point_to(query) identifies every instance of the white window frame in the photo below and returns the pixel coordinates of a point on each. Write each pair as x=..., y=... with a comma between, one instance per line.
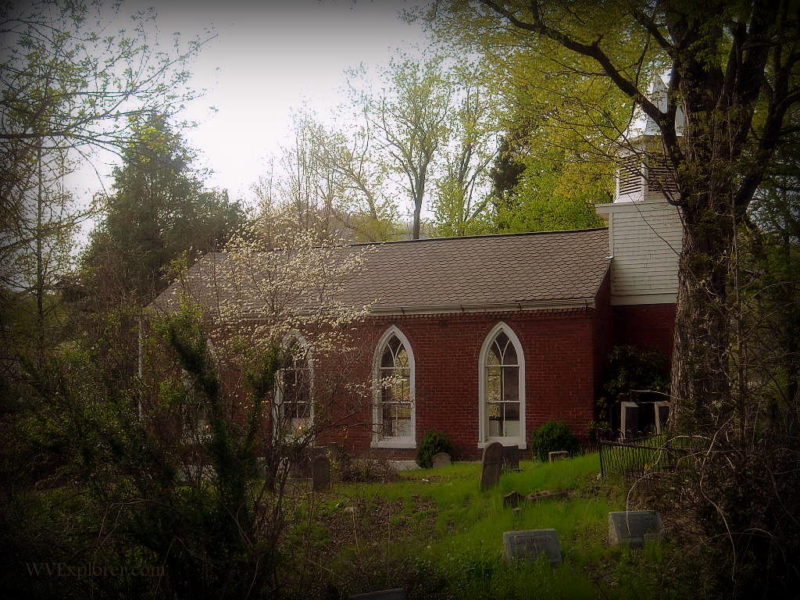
x=483, y=428
x=378, y=441
x=622, y=418
x=660, y=427
x=289, y=338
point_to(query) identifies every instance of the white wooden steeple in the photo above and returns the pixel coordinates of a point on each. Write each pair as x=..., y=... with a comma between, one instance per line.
x=645, y=231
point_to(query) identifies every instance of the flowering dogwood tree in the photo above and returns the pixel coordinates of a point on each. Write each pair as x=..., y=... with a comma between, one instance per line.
x=250, y=328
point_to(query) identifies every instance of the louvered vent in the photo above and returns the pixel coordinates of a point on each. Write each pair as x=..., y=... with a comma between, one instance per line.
x=660, y=175
x=630, y=176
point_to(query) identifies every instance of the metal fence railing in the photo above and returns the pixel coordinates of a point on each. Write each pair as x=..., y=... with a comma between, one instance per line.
x=635, y=458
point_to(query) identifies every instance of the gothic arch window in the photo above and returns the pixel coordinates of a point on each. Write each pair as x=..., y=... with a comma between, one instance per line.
x=502, y=388
x=393, y=383
x=294, y=409
x=196, y=426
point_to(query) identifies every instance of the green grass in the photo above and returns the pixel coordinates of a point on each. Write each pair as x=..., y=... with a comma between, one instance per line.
x=443, y=536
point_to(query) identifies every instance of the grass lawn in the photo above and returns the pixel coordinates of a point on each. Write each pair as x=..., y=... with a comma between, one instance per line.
x=436, y=534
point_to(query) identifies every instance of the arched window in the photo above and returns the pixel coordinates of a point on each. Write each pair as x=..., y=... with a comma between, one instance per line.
x=294, y=410
x=393, y=375
x=502, y=388
x=196, y=424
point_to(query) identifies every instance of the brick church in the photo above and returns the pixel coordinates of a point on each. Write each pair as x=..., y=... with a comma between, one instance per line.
x=487, y=337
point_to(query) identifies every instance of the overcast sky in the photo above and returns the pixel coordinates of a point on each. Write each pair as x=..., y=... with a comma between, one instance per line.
x=268, y=59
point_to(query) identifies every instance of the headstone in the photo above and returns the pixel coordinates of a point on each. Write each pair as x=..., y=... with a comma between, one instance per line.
x=393, y=594
x=299, y=467
x=511, y=458
x=491, y=464
x=557, y=455
x=545, y=495
x=633, y=527
x=531, y=544
x=441, y=459
x=513, y=499
x=321, y=473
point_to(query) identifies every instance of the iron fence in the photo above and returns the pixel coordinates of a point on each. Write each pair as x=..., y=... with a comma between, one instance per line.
x=634, y=458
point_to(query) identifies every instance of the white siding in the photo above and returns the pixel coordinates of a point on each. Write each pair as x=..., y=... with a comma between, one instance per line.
x=645, y=241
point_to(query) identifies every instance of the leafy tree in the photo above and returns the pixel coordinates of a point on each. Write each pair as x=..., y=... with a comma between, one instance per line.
x=409, y=116
x=560, y=143
x=68, y=88
x=505, y=174
x=330, y=182
x=68, y=84
x=462, y=204
x=557, y=153
x=773, y=239
x=193, y=457
x=158, y=212
x=734, y=75
x=367, y=207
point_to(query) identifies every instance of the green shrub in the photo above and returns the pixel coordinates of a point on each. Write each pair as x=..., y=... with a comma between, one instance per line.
x=553, y=436
x=432, y=443
x=367, y=470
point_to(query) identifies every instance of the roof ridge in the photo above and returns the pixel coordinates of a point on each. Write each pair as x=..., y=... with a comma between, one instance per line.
x=477, y=236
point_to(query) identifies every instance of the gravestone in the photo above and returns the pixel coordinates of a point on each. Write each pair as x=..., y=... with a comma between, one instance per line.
x=491, y=464
x=299, y=467
x=441, y=459
x=557, y=455
x=513, y=499
x=632, y=527
x=321, y=473
x=546, y=495
x=511, y=458
x=530, y=544
x=393, y=594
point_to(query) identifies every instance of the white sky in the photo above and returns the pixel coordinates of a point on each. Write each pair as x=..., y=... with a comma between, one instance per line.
x=270, y=58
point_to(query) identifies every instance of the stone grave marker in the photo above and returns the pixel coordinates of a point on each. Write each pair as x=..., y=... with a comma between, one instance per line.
x=531, y=544
x=633, y=527
x=557, y=455
x=299, y=467
x=491, y=464
x=393, y=594
x=513, y=499
x=441, y=459
x=321, y=473
x=546, y=495
x=511, y=458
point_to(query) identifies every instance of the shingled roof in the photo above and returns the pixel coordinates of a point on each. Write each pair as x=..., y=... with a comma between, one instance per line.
x=530, y=270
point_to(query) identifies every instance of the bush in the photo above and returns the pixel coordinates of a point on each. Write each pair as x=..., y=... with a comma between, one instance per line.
x=553, y=436
x=432, y=443
x=367, y=470
x=631, y=368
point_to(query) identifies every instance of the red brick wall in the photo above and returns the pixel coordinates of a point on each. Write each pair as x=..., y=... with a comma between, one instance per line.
x=603, y=340
x=646, y=326
x=561, y=373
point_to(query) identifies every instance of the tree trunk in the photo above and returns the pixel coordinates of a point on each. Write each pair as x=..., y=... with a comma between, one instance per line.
x=40, y=287
x=700, y=377
x=417, y=216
